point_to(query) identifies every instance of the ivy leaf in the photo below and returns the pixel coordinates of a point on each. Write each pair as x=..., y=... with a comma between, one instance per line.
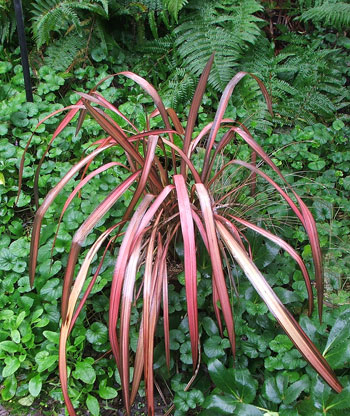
x=338, y=124
x=195, y=398
x=45, y=360
x=186, y=353
x=180, y=401
x=221, y=404
x=177, y=337
x=210, y=326
x=12, y=365
x=5, y=67
x=7, y=260
x=97, y=333
x=281, y=343
x=317, y=165
x=20, y=248
x=92, y=405
x=51, y=290
x=35, y=384
x=9, y=389
x=295, y=389
x=106, y=392
x=214, y=346
x=7, y=149
x=19, y=119
x=85, y=372
x=98, y=54
x=3, y=129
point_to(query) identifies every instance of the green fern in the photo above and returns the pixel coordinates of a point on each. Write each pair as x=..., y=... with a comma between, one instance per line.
x=179, y=88
x=336, y=14
x=223, y=27
x=174, y=6
x=64, y=51
x=7, y=21
x=305, y=81
x=57, y=16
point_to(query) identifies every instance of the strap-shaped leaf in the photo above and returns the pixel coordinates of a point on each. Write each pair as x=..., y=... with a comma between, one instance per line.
x=307, y=218
x=226, y=95
x=290, y=250
x=81, y=184
x=67, y=322
x=276, y=307
x=119, y=273
x=190, y=262
x=84, y=230
x=145, y=175
x=196, y=102
x=73, y=111
x=216, y=263
x=50, y=197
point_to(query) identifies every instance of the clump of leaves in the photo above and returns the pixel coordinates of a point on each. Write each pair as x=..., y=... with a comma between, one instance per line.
x=178, y=197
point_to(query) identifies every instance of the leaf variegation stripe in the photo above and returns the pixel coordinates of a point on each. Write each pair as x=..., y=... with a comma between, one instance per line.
x=50, y=197
x=190, y=261
x=84, y=230
x=285, y=319
x=215, y=257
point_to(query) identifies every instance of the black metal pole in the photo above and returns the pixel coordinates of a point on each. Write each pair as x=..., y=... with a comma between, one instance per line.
x=23, y=47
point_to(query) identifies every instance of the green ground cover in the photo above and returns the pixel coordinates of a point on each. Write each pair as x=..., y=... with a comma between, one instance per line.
x=307, y=76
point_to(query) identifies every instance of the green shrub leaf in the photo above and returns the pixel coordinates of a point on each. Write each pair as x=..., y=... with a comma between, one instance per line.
x=93, y=405
x=97, y=333
x=85, y=372
x=9, y=389
x=35, y=384
x=12, y=365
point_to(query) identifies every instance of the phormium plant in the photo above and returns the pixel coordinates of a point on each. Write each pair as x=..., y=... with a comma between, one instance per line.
x=173, y=201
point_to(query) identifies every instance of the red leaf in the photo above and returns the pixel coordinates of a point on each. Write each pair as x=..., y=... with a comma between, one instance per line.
x=190, y=262
x=216, y=262
x=285, y=319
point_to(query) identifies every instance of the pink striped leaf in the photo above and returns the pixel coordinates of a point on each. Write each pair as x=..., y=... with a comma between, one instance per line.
x=290, y=250
x=84, y=230
x=67, y=322
x=78, y=188
x=193, y=114
x=226, y=95
x=190, y=254
x=73, y=110
x=216, y=262
x=50, y=197
x=119, y=272
x=276, y=307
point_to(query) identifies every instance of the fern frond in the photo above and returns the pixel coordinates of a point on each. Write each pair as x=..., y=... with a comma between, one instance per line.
x=226, y=28
x=174, y=6
x=64, y=51
x=179, y=88
x=7, y=22
x=56, y=16
x=329, y=14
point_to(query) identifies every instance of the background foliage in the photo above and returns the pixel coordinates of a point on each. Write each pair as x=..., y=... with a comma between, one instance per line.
x=301, y=51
